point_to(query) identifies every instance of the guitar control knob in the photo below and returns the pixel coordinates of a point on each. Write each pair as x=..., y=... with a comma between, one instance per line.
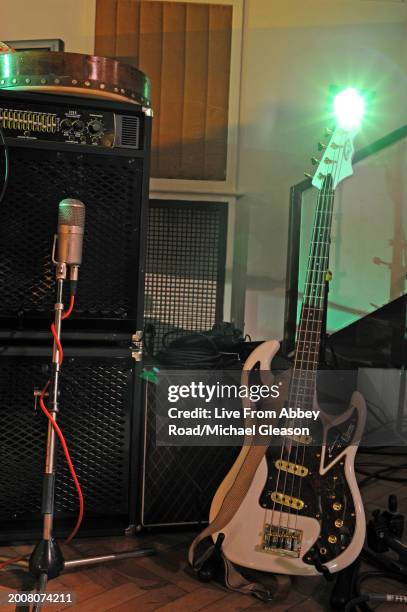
x=338, y=523
x=332, y=539
x=337, y=506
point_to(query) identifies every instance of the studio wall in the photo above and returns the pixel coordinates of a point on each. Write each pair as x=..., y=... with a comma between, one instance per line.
x=71, y=20
x=292, y=52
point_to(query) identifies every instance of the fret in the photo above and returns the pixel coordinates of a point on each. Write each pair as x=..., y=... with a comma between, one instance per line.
x=309, y=329
x=300, y=375
x=306, y=388
x=317, y=270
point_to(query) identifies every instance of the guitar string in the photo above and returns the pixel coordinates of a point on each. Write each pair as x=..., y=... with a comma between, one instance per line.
x=288, y=443
x=328, y=215
x=276, y=486
x=304, y=377
x=312, y=277
x=318, y=330
x=313, y=274
x=318, y=266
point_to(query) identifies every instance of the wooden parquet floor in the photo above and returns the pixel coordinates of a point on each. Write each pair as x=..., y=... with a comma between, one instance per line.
x=163, y=582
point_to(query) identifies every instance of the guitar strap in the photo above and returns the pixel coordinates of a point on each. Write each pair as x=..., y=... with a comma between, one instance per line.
x=200, y=551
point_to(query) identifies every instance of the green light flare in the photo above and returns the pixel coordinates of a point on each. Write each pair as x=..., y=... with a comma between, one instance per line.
x=349, y=108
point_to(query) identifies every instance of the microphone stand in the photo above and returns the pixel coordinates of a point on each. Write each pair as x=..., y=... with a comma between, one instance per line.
x=46, y=560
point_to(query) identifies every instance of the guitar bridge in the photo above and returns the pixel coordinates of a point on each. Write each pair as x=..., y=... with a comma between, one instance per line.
x=281, y=540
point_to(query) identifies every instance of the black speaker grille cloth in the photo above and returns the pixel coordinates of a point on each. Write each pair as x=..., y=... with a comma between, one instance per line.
x=95, y=420
x=185, y=266
x=110, y=187
x=180, y=482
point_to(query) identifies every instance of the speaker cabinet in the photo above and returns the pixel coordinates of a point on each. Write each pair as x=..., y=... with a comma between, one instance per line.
x=97, y=416
x=177, y=482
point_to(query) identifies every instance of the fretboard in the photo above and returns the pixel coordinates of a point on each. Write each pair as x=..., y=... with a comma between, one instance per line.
x=312, y=313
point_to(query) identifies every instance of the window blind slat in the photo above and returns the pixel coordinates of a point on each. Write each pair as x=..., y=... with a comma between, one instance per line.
x=172, y=89
x=105, y=28
x=151, y=27
x=185, y=50
x=128, y=31
x=220, y=30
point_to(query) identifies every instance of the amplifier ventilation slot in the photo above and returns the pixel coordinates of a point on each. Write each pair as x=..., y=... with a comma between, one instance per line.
x=129, y=131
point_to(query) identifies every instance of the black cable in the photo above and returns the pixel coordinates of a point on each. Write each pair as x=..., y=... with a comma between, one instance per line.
x=148, y=339
x=361, y=598
x=377, y=450
x=355, y=601
x=6, y=165
x=196, y=350
x=379, y=475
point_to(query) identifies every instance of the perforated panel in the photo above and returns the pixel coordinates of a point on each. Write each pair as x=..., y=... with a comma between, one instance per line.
x=185, y=266
x=111, y=190
x=179, y=482
x=95, y=417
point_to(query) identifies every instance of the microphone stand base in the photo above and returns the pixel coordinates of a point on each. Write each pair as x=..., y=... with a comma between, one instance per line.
x=48, y=555
x=46, y=558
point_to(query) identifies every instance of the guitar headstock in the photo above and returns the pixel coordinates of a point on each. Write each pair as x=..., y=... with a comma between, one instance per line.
x=337, y=158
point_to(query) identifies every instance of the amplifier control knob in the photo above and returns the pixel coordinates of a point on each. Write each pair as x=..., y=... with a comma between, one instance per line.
x=78, y=126
x=95, y=127
x=65, y=125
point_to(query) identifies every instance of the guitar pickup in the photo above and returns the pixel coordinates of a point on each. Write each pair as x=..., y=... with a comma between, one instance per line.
x=287, y=500
x=291, y=468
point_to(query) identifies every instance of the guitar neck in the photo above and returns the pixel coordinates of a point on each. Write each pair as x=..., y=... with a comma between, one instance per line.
x=312, y=313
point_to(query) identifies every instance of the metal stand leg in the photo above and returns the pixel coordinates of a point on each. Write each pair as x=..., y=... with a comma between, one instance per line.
x=47, y=561
x=127, y=554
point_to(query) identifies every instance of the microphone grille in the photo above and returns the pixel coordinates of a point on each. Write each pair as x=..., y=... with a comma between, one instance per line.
x=71, y=212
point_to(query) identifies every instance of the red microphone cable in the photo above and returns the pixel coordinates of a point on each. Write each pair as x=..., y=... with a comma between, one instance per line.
x=57, y=429
x=62, y=440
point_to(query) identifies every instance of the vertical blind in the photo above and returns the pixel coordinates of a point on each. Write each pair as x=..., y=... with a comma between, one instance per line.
x=185, y=50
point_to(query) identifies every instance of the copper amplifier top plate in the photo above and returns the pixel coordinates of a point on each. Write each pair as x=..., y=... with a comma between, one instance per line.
x=74, y=73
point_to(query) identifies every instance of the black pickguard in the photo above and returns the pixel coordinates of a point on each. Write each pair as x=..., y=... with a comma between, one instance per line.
x=327, y=498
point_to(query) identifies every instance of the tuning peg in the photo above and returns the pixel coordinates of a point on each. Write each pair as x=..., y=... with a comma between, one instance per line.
x=308, y=175
x=321, y=146
x=315, y=161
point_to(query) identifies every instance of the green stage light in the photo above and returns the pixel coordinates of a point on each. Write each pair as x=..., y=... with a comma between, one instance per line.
x=349, y=108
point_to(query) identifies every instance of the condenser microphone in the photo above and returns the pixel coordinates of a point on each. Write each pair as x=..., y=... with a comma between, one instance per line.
x=71, y=227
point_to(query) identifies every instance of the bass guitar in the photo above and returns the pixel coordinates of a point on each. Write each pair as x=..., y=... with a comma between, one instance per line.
x=302, y=512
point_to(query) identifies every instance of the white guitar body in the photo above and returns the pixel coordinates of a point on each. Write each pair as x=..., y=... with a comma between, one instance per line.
x=243, y=534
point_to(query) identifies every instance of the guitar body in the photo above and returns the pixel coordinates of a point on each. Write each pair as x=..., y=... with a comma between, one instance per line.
x=331, y=521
